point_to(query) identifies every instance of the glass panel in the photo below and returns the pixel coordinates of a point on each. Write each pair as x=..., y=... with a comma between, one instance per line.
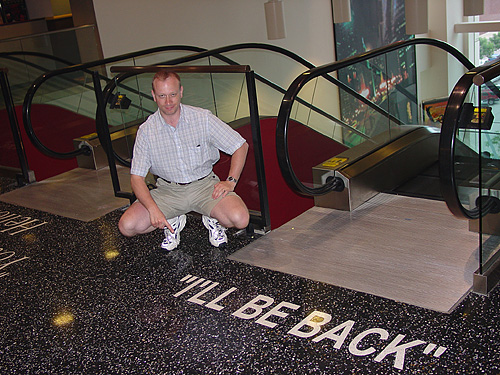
x=269, y=100
x=25, y=68
x=490, y=167
x=319, y=133
x=399, y=81
x=280, y=69
x=63, y=109
x=8, y=153
x=389, y=82
x=477, y=162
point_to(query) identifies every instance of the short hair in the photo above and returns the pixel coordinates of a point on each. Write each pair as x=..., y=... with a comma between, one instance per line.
x=164, y=74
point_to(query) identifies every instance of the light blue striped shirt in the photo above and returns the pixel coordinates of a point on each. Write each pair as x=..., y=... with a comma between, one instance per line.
x=184, y=153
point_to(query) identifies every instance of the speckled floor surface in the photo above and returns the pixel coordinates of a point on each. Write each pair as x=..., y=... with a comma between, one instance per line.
x=79, y=298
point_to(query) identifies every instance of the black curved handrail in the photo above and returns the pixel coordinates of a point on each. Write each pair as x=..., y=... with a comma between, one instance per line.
x=199, y=53
x=293, y=90
x=10, y=55
x=484, y=204
x=112, y=84
x=28, y=99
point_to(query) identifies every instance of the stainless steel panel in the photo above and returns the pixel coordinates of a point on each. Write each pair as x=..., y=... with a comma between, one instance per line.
x=382, y=169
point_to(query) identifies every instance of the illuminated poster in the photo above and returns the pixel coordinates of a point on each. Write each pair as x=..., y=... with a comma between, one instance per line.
x=433, y=111
x=13, y=11
x=388, y=80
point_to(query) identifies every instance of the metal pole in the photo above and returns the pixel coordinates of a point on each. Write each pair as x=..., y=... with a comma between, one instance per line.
x=257, y=147
x=27, y=176
x=105, y=138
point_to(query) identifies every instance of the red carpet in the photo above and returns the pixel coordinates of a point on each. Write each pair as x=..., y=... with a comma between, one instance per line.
x=55, y=127
x=307, y=149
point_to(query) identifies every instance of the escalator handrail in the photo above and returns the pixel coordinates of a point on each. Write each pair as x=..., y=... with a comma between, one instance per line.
x=85, y=66
x=449, y=189
x=10, y=55
x=28, y=99
x=112, y=84
x=199, y=53
x=293, y=90
x=217, y=52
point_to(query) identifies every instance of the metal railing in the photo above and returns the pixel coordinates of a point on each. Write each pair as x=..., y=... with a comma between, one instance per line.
x=26, y=176
x=199, y=53
x=296, y=86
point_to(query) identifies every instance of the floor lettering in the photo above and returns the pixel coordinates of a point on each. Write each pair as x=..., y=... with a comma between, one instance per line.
x=15, y=224
x=262, y=310
x=5, y=256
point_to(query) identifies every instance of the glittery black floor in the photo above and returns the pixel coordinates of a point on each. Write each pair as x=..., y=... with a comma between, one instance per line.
x=79, y=298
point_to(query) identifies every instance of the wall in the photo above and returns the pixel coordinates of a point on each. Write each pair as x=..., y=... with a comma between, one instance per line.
x=129, y=25
x=438, y=72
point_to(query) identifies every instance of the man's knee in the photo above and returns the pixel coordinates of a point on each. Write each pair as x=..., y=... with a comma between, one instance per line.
x=231, y=213
x=126, y=227
x=240, y=218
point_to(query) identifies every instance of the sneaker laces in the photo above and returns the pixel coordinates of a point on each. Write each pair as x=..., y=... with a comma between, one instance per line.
x=218, y=232
x=169, y=235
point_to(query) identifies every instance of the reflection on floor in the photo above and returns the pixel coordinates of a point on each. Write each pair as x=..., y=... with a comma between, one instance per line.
x=79, y=298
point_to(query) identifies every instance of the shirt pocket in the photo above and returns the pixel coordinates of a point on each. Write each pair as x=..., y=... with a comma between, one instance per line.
x=196, y=155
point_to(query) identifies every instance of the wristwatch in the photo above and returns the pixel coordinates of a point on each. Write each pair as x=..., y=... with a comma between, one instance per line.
x=232, y=179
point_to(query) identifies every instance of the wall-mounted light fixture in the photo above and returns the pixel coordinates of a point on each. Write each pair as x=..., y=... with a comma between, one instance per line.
x=275, y=19
x=416, y=17
x=473, y=7
x=341, y=11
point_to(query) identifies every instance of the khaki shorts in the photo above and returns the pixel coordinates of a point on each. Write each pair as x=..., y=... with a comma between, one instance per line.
x=174, y=199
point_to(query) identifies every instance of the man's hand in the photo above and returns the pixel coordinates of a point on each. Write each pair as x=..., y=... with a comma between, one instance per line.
x=222, y=188
x=142, y=193
x=158, y=220
x=238, y=158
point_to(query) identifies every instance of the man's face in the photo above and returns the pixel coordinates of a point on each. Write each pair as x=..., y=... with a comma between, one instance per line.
x=167, y=94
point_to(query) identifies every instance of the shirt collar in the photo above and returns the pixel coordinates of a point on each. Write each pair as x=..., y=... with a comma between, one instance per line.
x=164, y=123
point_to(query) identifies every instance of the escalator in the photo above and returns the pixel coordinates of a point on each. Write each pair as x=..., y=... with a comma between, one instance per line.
x=353, y=161
x=320, y=122
x=457, y=163
x=82, y=80
x=63, y=109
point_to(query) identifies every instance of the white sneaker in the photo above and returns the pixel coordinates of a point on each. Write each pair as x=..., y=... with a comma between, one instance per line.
x=173, y=239
x=216, y=232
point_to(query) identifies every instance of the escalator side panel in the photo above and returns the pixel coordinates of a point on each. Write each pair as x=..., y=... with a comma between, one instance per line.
x=383, y=170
